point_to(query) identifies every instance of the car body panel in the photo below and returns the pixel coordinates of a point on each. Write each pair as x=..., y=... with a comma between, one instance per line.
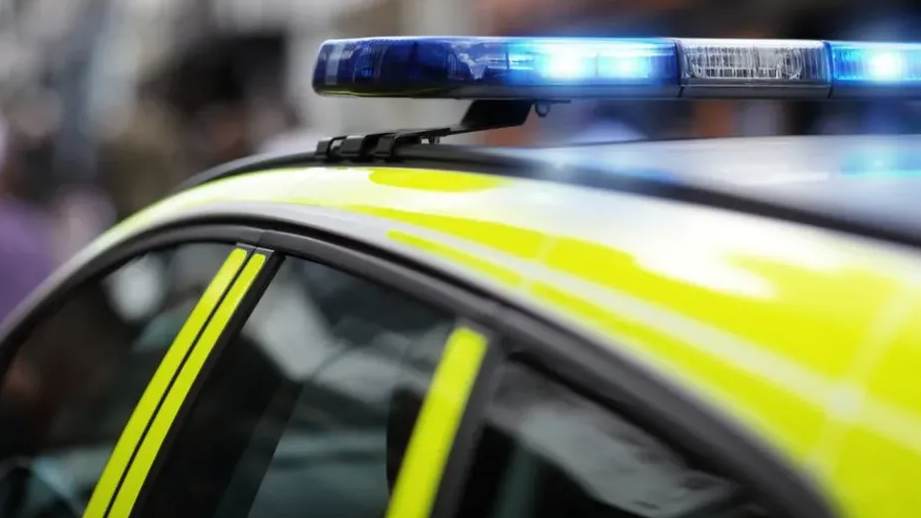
x=755, y=316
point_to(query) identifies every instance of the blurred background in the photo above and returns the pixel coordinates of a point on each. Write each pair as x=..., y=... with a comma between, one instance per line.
x=105, y=105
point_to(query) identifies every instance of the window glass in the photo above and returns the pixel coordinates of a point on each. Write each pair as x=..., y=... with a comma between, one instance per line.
x=547, y=451
x=76, y=379
x=309, y=410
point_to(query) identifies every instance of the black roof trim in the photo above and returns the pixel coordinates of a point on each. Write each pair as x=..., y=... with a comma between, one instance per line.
x=416, y=156
x=246, y=165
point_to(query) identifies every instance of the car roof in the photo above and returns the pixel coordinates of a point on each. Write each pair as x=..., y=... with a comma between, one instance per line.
x=864, y=185
x=868, y=180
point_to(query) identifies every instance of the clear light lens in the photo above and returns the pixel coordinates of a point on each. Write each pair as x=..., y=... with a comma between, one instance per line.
x=754, y=62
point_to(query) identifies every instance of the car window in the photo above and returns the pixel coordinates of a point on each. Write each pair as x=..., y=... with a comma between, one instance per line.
x=308, y=411
x=77, y=377
x=546, y=451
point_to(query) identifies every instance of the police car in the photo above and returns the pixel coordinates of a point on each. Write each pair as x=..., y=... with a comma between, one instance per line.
x=387, y=326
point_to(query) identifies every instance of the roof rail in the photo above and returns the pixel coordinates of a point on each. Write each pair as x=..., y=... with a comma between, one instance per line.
x=482, y=115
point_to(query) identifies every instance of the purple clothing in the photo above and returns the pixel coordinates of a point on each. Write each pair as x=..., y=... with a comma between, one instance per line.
x=26, y=253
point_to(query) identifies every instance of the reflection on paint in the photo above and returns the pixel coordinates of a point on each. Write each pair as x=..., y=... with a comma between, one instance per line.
x=883, y=164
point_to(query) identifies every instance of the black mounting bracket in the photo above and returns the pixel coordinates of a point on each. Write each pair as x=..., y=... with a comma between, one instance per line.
x=480, y=116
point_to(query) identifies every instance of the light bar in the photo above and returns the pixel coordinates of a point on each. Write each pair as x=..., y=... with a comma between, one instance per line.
x=551, y=69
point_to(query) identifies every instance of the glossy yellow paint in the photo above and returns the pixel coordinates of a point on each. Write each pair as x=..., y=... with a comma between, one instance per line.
x=163, y=421
x=147, y=406
x=802, y=335
x=439, y=419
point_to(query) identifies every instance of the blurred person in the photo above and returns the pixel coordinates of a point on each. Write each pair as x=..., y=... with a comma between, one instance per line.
x=26, y=260
x=219, y=134
x=292, y=134
x=26, y=229
x=77, y=212
x=143, y=162
x=234, y=129
x=225, y=90
x=205, y=101
x=81, y=213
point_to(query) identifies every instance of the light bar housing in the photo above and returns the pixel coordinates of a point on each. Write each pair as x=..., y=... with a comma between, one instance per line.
x=561, y=69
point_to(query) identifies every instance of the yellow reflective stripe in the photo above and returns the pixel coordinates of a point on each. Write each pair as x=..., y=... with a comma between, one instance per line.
x=153, y=394
x=150, y=447
x=436, y=428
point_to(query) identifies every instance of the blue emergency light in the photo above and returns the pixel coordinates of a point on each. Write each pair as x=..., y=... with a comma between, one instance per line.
x=550, y=69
